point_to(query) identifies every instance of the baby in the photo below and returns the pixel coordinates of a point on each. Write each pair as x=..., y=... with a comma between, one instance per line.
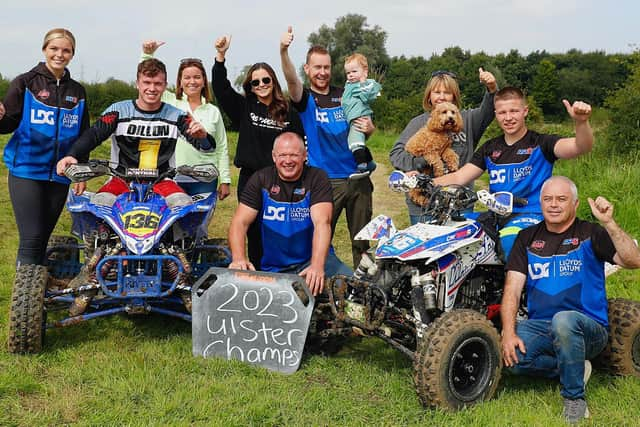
x=358, y=93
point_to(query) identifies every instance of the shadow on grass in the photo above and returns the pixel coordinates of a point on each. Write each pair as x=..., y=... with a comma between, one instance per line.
x=372, y=351
x=112, y=328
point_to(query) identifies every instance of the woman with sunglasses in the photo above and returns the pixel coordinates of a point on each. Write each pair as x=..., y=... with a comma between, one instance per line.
x=443, y=87
x=46, y=110
x=194, y=96
x=259, y=115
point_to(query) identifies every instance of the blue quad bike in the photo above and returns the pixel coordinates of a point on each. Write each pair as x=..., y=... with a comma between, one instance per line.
x=140, y=256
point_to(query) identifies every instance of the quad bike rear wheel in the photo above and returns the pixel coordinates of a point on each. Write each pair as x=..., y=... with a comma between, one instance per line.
x=68, y=248
x=457, y=362
x=27, y=317
x=621, y=356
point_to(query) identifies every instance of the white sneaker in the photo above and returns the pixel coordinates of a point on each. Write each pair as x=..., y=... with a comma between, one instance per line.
x=359, y=175
x=587, y=372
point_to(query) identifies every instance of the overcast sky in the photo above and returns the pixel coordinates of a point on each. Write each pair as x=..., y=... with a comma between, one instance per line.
x=109, y=33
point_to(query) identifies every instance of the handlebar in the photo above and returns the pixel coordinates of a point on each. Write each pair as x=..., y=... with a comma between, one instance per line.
x=94, y=168
x=444, y=202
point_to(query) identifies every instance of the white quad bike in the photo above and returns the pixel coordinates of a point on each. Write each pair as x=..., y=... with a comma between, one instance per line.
x=433, y=292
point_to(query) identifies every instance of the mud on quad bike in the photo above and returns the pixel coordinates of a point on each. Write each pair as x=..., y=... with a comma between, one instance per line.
x=140, y=256
x=433, y=292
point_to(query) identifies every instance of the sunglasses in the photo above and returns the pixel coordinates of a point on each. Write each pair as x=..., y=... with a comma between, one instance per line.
x=190, y=61
x=256, y=82
x=444, y=73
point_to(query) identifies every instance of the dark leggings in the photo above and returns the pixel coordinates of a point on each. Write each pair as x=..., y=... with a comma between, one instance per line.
x=254, y=233
x=37, y=206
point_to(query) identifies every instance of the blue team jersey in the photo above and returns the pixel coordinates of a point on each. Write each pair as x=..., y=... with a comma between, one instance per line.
x=327, y=130
x=287, y=231
x=565, y=271
x=51, y=115
x=520, y=168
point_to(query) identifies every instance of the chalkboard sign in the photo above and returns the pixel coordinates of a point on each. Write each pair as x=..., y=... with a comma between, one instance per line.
x=251, y=316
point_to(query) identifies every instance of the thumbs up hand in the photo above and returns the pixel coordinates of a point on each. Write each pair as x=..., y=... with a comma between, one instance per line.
x=488, y=79
x=286, y=39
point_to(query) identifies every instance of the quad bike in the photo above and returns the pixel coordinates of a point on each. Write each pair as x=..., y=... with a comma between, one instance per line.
x=433, y=292
x=140, y=256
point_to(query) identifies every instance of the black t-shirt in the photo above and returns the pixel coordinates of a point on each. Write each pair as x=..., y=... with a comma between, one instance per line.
x=499, y=152
x=330, y=100
x=313, y=181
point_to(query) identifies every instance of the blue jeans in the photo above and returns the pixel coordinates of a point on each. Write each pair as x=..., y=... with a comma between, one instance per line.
x=332, y=266
x=559, y=347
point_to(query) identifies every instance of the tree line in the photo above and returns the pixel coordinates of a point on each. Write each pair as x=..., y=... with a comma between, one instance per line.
x=604, y=80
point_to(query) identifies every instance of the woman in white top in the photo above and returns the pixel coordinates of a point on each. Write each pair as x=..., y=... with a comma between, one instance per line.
x=193, y=96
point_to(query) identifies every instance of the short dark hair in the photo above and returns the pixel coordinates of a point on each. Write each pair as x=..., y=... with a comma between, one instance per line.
x=151, y=67
x=320, y=50
x=509, y=92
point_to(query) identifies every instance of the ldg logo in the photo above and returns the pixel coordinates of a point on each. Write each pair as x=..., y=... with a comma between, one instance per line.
x=321, y=116
x=538, y=271
x=497, y=176
x=274, y=213
x=42, y=117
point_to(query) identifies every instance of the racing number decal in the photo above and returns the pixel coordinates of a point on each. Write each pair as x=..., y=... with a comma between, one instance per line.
x=140, y=222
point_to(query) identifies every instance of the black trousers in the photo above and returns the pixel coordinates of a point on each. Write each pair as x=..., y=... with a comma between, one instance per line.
x=37, y=205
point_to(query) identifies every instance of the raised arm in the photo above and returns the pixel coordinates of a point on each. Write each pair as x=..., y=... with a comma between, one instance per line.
x=230, y=101
x=569, y=148
x=294, y=84
x=627, y=251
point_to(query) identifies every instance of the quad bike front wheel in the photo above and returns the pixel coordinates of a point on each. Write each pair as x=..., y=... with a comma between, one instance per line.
x=621, y=356
x=26, y=317
x=457, y=361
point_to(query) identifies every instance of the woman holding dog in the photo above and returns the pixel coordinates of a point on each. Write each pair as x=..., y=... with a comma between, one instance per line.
x=443, y=87
x=46, y=110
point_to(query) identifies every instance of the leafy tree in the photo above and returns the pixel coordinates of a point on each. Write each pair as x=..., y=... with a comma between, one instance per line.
x=623, y=133
x=545, y=87
x=4, y=86
x=101, y=95
x=351, y=34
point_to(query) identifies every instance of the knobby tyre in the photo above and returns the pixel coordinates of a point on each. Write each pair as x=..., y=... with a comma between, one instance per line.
x=457, y=361
x=621, y=356
x=26, y=316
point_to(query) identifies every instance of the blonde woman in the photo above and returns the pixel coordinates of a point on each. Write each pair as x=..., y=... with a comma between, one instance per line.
x=443, y=87
x=46, y=110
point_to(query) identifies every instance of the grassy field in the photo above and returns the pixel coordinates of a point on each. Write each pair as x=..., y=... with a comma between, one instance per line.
x=119, y=371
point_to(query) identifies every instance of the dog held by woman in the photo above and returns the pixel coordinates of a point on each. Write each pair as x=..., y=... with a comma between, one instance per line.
x=433, y=142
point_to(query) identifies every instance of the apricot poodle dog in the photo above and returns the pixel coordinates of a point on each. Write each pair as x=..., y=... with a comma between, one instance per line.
x=433, y=142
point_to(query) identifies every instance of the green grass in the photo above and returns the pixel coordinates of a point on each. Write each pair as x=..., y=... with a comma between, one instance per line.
x=119, y=371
